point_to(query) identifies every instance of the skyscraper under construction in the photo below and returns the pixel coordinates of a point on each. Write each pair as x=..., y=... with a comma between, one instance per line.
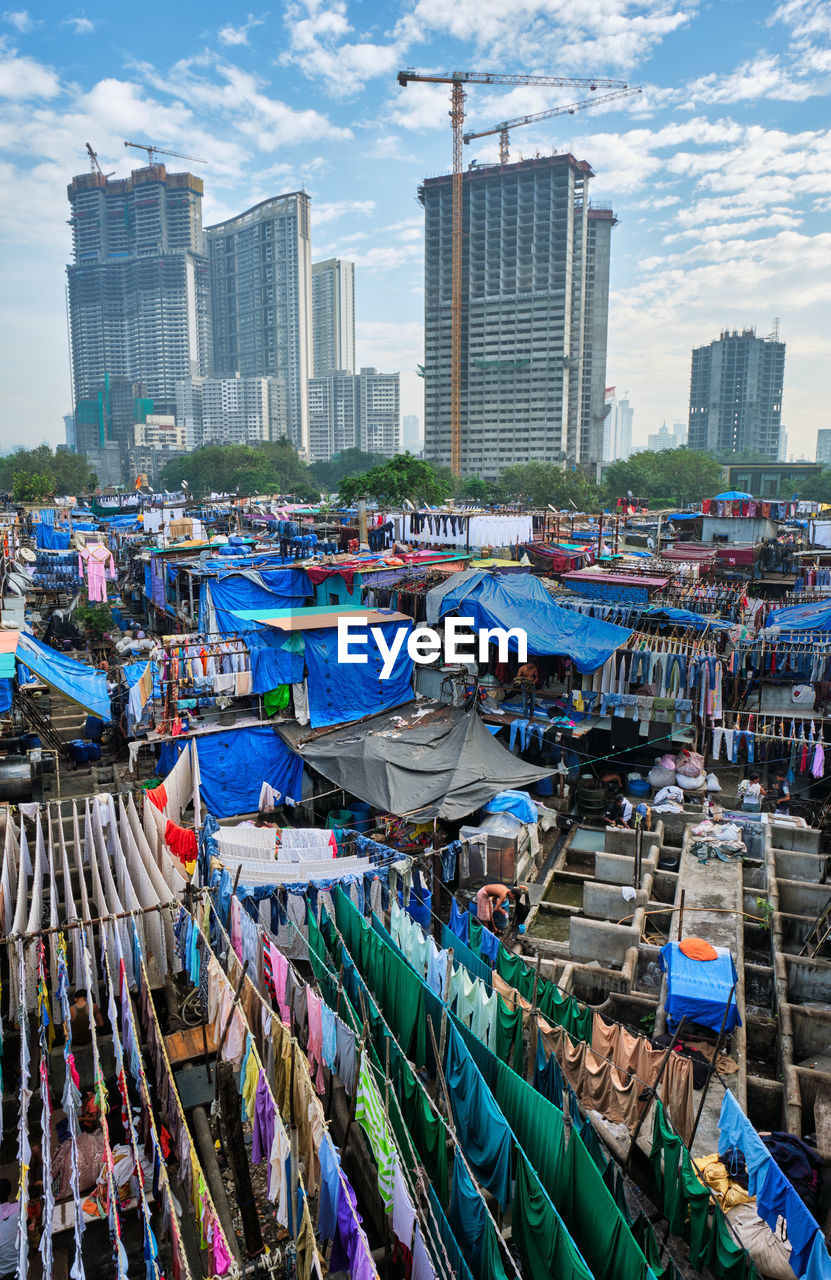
x=139, y=289
x=535, y=290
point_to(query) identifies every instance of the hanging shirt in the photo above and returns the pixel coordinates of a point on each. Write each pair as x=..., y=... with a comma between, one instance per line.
x=369, y=1113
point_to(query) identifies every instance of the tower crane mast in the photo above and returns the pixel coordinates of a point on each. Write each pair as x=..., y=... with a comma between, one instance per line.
x=457, y=81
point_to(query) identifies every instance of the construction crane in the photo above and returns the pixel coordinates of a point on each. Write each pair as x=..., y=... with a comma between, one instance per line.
x=503, y=128
x=457, y=80
x=160, y=151
x=93, y=161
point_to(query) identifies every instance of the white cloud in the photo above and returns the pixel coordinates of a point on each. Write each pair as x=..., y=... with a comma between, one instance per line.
x=319, y=47
x=81, y=26
x=23, y=78
x=229, y=35
x=329, y=212
x=550, y=35
x=20, y=19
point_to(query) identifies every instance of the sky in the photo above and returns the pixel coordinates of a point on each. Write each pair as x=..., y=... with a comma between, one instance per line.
x=719, y=171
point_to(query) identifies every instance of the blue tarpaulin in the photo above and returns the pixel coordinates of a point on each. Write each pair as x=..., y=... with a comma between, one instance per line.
x=699, y=989
x=257, y=589
x=6, y=687
x=81, y=683
x=271, y=663
x=518, y=803
x=519, y=600
x=802, y=617
x=48, y=538
x=233, y=767
x=345, y=691
x=733, y=495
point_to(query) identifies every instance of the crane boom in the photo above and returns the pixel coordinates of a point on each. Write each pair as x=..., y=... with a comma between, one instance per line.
x=553, y=111
x=160, y=151
x=492, y=77
x=457, y=80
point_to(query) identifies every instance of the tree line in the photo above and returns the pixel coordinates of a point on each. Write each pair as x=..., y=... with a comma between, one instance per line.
x=672, y=477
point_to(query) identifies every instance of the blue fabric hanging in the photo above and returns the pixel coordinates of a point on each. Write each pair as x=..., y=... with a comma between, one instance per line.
x=459, y=921
x=483, y=1130
x=775, y=1195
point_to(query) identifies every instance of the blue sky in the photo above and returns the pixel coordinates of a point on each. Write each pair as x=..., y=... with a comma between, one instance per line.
x=720, y=172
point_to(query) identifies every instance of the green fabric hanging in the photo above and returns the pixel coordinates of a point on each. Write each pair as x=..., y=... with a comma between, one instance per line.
x=697, y=1199
x=492, y=1266
x=276, y=699
x=513, y=970
x=474, y=936
x=427, y=1132
x=668, y=1145
x=723, y=1255
x=594, y=1220
x=545, y=1247
x=508, y=1034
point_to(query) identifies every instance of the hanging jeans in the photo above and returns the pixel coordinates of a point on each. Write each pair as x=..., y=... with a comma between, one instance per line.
x=679, y=660
x=641, y=666
x=683, y=710
x=727, y=736
x=749, y=741
x=529, y=697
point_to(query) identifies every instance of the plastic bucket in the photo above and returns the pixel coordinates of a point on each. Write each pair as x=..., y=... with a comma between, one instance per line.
x=93, y=751
x=419, y=908
x=639, y=787
x=544, y=787
x=337, y=820
x=362, y=815
x=79, y=751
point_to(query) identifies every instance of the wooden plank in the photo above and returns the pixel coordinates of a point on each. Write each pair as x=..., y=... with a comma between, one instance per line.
x=186, y=1045
x=822, y=1123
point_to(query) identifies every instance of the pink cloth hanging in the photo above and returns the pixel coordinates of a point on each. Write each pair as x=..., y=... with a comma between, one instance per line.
x=99, y=565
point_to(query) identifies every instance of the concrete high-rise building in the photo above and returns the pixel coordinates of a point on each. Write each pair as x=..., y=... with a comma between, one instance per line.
x=334, y=406
x=410, y=434
x=824, y=446
x=333, y=316
x=231, y=410
x=380, y=412
x=139, y=305
x=617, y=427
x=736, y=394
x=354, y=411
x=534, y=296
x=261, y=295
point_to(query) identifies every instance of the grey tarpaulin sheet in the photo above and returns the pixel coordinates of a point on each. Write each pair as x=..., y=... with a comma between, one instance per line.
x=438, y=763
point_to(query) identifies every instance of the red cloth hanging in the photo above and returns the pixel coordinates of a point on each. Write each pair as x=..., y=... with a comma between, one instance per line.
x=181, y=842
x=158, y=797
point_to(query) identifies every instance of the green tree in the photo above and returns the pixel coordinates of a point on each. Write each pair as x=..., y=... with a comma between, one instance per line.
x=667, y=477
x=541, y=484
x=475, y=488
x=400, y=477
x=271, y=467
x=32, y=486
x=817, y=488
x=69, y=474
x=349, y=462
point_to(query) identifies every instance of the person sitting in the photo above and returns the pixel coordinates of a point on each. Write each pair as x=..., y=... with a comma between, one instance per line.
x=90, y=1151
x=619, y=811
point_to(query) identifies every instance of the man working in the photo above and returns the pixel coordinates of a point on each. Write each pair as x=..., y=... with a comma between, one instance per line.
x=782, y=792
x=526, y=682
x=752, y=793
x=492, y=903
x=619, y=811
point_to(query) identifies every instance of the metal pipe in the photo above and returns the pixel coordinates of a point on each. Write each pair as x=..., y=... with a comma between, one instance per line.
x=207, y=1154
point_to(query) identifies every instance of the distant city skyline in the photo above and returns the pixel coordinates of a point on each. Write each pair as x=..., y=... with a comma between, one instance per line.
x=719, y=171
